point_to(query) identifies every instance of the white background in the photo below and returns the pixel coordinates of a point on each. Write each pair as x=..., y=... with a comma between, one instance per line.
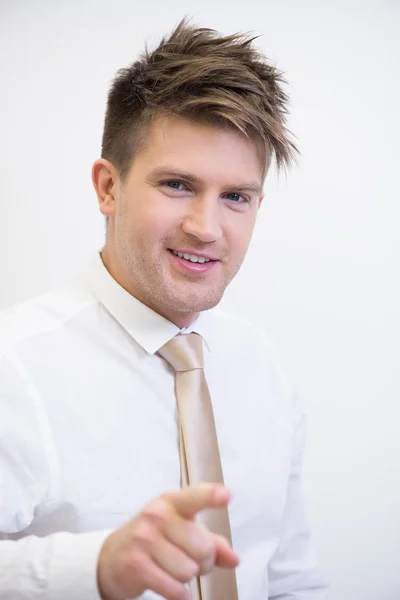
x=322, y=274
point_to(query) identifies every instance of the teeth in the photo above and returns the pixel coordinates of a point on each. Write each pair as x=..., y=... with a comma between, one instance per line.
x=192, y=257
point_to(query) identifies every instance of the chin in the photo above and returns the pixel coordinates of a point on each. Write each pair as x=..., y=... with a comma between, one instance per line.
x=194, y=303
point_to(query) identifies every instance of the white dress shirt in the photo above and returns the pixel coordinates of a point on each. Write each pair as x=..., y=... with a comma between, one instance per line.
x=88, y=436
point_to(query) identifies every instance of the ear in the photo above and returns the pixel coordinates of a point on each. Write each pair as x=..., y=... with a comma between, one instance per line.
x=106, y=181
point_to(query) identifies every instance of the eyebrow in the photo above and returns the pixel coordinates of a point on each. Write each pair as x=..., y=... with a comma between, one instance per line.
x=190, y=178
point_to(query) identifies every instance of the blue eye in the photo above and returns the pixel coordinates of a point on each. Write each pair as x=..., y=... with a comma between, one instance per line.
x=173, y=184
x=235, y=197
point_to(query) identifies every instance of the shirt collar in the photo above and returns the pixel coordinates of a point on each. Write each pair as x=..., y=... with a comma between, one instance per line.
x=147, y=327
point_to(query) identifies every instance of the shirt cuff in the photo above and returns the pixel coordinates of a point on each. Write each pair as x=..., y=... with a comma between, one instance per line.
x=73, y=567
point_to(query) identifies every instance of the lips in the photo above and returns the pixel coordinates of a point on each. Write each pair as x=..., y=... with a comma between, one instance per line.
x=196, y=263
x=193, y=255
x=194, y=258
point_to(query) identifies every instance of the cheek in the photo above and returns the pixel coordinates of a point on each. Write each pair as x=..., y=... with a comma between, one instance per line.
x=159, y=226
x=157, y=220
x=239, y=232
x=143, y=214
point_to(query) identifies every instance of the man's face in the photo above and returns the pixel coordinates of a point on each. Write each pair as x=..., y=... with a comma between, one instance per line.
x=184, y=216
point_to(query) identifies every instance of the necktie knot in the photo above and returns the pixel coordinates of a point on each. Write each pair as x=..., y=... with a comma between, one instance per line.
x=184, y=352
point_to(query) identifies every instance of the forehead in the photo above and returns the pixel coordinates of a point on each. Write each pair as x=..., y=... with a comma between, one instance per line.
x=206, y=150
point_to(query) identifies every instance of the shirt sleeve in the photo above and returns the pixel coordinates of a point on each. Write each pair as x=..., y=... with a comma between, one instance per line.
x=60, y=566
x=292, y=571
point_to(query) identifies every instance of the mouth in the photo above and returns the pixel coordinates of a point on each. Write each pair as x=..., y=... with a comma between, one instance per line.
x=194, y=263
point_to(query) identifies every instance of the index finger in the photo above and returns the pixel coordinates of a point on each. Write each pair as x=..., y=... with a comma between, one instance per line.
x=191, y=500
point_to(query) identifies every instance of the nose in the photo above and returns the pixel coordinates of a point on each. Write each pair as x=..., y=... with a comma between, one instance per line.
x=203, y=219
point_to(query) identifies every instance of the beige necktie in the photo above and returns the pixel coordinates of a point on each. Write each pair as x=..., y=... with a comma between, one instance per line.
x=199, y=453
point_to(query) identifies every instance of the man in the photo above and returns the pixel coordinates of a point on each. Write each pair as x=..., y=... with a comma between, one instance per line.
x=114, y=457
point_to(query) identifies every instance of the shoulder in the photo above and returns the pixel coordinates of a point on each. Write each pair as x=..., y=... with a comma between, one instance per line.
x=225, y=328
x=237, y=336
x=44, y=313
x=249, y=346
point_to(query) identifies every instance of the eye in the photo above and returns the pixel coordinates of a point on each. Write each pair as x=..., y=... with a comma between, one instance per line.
x=236, y=197
x=174, y=184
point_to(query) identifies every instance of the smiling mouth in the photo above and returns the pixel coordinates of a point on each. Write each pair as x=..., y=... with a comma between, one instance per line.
x=193, y=258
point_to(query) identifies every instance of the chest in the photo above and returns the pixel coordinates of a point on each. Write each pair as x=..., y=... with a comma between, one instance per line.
x=117, y=444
